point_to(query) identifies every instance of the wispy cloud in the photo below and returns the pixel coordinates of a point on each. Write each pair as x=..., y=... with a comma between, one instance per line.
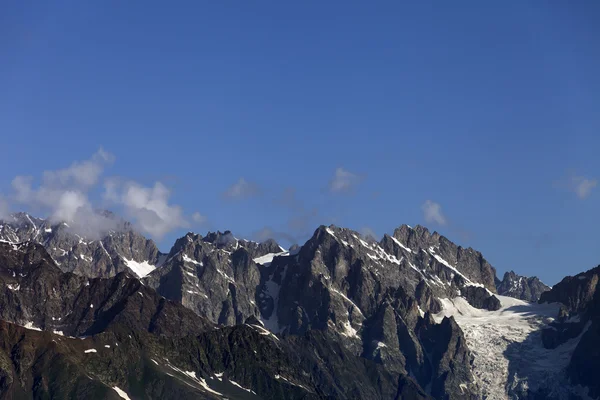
x=64, y=195
x=242, y=189
x=368, y=233
x=198, y=218
x=148, y=207
x=62, y=192
x=432, y=212
x=344, y=181
x=582, y=186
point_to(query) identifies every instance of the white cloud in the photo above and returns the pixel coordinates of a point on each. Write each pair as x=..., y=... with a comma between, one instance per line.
x=69, y=204
x=241, y=189
x=582, y=186
x=432, y=212
x=198, y=218
x=367, y=232
x=79, y=174
x=148, y=206
x=343, y=181
x=62, y=192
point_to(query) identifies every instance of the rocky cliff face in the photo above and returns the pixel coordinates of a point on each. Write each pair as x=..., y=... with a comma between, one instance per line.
x=578, y=324
x=470, y=263
x=67, y=336
x=521, y=287
x=301, y=323
x=215, y=276
x=375, y=297
x=93, y=253
x=371, y=296
x=37, y=294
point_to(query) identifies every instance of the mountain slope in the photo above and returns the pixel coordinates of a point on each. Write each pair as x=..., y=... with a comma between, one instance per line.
x=410, y=316
x=579, y=324
x=63, y=336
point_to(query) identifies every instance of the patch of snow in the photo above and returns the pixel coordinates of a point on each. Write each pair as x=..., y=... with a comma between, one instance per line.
x=190, y=260
x=364, y=243
x=121, y=393
x=348, y=330
x=107, y=346
x=447, y=265
x=90, y=351
x=241, y=387
x=141, y=269
x=196, y=379
x=224, y=275
x=272, y=290
x=198, y=293
x=14, y=287
x=400, y=244
x=264, y=332
x=347, y=299
x=154, y=361
x=60, y=333
x=268, y=258
x=48, y=230
x=279, y=377
x=103, y=248
x=381, y=345
x=203, y=383
x=30, y=326
x=91, y=306
x=510, y=336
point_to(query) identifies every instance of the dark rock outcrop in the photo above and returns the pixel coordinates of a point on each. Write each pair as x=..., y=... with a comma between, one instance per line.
x=469, y=262
x=215, y=276
x=479, y=297
x=579, y=319
x=521, y=287
x=35, y=293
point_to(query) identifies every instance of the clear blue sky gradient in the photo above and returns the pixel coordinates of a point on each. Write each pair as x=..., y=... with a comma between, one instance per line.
x=481, y=107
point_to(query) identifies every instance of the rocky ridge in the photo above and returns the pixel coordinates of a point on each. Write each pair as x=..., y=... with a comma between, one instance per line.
x=93, y=253
x=375, y=299
x=521, y=287
x=64, y=335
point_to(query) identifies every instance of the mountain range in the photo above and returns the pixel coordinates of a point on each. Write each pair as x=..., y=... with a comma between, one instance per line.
x=107, y=315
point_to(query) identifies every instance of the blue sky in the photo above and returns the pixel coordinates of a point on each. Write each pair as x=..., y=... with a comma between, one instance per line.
x=279, y=116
